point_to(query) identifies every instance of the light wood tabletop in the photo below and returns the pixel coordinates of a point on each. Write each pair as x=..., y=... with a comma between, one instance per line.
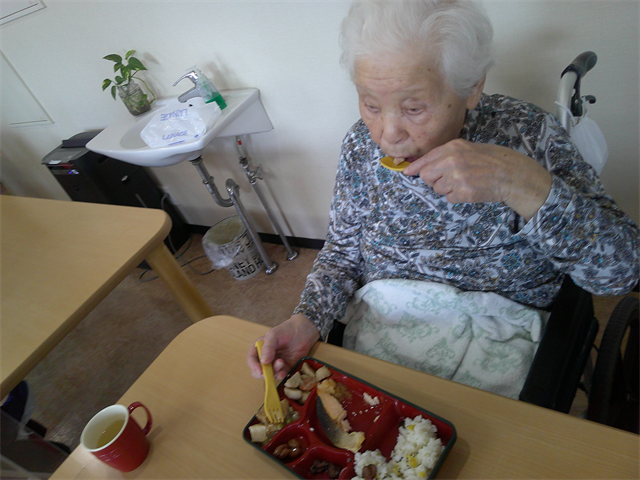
x=59, y=259
x=201, y=396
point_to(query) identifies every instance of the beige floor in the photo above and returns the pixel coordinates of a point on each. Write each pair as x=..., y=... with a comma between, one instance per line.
x=94, y=365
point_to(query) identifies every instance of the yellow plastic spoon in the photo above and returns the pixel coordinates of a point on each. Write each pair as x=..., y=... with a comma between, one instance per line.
x=387, y=162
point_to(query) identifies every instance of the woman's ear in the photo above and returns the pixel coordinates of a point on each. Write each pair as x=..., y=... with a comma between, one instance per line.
x=476, y=93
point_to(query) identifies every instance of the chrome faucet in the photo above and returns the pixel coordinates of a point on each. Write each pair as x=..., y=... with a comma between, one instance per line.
x=194, y=92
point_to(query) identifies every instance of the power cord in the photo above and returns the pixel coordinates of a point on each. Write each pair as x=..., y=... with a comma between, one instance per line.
x=179, y=255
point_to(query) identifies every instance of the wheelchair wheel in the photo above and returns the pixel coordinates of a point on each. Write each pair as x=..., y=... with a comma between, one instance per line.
x=613, y=399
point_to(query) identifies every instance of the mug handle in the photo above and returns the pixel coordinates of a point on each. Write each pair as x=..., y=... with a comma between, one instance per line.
x=147, y=427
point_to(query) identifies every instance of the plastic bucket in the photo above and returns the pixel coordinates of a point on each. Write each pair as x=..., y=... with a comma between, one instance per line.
x=229, y=245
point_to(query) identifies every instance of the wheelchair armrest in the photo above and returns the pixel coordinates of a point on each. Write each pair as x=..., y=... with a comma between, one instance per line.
x=336, y=334
x=557, y=367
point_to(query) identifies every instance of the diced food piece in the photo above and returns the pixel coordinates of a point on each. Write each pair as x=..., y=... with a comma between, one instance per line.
x=307, y=370
x=308, y=383
x=258, y=433
x=322, y=373
x=293, y=381
x=293, y=393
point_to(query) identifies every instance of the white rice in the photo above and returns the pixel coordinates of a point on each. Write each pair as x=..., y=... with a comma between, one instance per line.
x=416, y=452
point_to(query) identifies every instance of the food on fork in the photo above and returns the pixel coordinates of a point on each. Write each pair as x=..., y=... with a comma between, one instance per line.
x=263, y=432
x=297, y=387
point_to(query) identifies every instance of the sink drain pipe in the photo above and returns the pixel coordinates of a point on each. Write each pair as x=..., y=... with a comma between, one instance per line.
x=253, y=177
x=234, y=200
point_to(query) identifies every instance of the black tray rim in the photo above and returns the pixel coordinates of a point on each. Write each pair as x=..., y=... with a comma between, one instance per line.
x=437, y=466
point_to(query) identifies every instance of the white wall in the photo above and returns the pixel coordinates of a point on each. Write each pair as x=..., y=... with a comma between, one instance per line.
x=289, y=50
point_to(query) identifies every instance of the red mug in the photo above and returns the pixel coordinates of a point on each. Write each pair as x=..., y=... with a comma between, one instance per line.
x=115, y=437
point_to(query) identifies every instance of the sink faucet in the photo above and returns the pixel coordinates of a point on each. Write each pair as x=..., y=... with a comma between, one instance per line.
x=202, y=87
x=193, y=92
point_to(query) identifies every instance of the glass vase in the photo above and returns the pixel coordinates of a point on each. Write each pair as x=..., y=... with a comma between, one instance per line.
x=136, y=101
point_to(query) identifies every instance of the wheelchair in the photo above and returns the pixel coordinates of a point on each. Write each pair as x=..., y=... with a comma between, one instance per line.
x=563, y=362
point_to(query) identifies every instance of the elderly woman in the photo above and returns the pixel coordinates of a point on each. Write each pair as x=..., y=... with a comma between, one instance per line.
x=496, y=201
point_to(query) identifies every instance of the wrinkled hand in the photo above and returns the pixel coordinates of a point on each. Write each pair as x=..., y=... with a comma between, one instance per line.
x=283, y=346
x=479, y=172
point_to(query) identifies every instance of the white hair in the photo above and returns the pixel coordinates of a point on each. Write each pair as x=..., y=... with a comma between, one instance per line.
x=456, y=31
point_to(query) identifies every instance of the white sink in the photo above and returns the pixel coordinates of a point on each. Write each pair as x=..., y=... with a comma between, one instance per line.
x=121, y=140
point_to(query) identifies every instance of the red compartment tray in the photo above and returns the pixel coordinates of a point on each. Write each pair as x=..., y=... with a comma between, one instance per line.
x=379, y=423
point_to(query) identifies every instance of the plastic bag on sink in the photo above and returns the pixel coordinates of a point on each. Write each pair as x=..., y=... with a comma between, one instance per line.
x=172, y=125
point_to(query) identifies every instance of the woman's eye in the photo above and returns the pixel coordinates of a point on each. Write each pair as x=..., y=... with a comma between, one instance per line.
x=371, y=108
x=414, y=111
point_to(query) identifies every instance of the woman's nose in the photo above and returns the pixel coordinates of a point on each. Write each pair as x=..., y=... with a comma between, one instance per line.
x=392, y=130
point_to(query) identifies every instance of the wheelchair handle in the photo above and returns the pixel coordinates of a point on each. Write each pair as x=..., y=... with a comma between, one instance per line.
x=569, y=89
x=582, y=64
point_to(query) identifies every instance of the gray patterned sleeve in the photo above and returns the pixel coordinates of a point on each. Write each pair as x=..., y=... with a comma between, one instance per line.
x=336, y=271
x=580, y=229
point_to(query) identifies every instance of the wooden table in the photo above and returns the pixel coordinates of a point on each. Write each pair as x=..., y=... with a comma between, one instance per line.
x=202, y=395
x=60, y=259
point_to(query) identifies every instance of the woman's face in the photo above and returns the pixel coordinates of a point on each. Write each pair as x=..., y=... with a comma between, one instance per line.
x=407, y=106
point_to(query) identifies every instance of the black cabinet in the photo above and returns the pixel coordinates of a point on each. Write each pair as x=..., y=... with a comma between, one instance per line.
x=87, y=176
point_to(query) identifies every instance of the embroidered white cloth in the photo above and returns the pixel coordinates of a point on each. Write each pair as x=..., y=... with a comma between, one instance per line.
x=477, y=338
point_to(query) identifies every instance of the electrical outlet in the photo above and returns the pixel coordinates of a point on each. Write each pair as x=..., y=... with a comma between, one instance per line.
x=169, y=195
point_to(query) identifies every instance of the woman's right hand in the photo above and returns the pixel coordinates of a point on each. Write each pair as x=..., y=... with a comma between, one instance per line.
x=283, y=346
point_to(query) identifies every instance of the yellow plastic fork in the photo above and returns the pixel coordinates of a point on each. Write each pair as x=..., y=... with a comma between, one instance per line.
x=272, y=407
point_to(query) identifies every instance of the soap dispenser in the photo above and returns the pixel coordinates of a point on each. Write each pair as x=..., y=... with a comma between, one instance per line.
x=204, y=88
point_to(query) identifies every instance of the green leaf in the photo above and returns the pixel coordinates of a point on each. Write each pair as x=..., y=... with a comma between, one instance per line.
x=105, y=83
x=119, y=80
x=129, y=53
x=113, y=57
x=113, y=92
x=117, y=66
x=136, y=64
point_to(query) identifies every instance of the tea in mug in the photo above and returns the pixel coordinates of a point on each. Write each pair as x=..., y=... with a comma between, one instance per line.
x=109, y=433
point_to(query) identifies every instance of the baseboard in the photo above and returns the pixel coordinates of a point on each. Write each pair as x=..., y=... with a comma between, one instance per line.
x=300, y=242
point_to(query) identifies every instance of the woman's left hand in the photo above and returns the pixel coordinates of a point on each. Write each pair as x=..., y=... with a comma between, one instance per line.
x=479, y=172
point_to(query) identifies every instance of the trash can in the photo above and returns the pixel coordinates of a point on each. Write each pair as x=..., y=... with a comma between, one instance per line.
x=229, y=245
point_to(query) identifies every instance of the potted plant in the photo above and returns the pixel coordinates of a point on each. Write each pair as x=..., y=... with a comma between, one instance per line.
x=137, y=101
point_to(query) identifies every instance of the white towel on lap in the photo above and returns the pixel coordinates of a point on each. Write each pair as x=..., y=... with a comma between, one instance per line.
x=477, y=338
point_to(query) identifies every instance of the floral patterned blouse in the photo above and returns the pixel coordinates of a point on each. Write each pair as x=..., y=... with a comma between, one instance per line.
x=384, y=224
